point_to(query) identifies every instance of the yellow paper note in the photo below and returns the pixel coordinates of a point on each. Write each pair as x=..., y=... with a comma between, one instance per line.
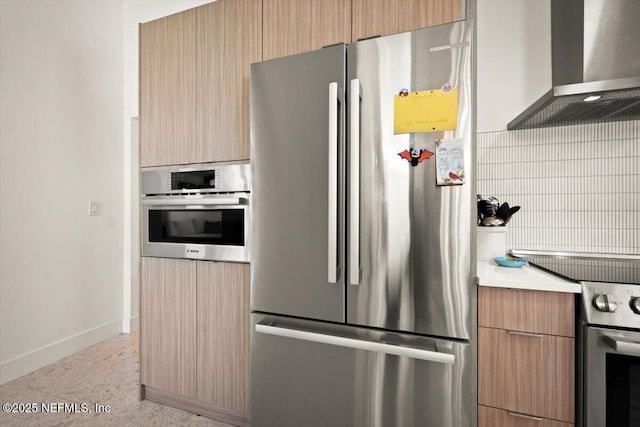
x=426, y=111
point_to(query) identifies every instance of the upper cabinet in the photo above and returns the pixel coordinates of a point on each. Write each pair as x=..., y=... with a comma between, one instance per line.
x=229, y=40
x=194, y=83
x=168, y=89
x=385, y=17
x=292, y=27
x=195, y=65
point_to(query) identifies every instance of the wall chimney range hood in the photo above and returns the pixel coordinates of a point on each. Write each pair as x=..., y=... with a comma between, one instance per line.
x=595, y=65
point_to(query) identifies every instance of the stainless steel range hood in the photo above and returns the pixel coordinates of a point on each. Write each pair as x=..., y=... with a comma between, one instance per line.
x=595, y=65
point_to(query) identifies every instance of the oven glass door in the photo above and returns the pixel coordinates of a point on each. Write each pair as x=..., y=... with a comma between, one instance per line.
x=197, y=226
x=623, y=390
x=612, y=378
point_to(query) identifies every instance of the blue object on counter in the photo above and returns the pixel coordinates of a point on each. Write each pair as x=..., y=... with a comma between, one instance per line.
x=509, y=261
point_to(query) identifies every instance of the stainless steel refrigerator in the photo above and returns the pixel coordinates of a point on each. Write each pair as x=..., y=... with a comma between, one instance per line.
x=362, y=263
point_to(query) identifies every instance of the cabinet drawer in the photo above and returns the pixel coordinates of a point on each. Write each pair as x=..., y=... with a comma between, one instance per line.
x=541, y=312
x=492, y=417
x=530, y=374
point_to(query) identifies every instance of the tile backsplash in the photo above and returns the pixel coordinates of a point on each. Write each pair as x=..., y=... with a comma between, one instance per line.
x=578, y=186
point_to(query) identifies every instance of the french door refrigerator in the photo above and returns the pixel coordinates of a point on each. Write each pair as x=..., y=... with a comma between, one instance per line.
x=362, y=265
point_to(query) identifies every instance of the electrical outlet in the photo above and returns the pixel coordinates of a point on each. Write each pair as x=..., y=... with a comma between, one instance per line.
x=94, y=208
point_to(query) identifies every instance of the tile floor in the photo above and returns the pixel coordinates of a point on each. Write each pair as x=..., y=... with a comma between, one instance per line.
x=106, y=374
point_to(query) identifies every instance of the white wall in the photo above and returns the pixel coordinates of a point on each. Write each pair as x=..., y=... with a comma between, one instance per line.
x=61, y=109
x=135, y=12
x=514, y=58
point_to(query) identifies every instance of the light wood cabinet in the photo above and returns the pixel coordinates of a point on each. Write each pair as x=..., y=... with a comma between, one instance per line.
x=168, y=325
x=194, y=83
x=168, y=90
x=385, y=17
x=223, y=334
x=526, y=357
x=549, y=313
x=531, y=374
x=195, y=337
x=493, y=417
x=292, y=27
x=229, y=40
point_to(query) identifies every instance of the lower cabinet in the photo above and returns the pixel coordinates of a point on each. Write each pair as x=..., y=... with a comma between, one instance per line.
x=223, y=335
x=194, y=337
x=493, y=417
x=168, y=326
x=526, y=358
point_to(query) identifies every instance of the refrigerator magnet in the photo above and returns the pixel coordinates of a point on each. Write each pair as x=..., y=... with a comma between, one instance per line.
x=450, y=162
x=415, y=155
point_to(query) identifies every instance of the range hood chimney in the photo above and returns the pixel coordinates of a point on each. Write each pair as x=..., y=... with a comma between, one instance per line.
x=595, y=65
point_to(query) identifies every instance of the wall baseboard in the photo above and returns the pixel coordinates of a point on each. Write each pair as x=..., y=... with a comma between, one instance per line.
x=43, y=356
x=130, y=324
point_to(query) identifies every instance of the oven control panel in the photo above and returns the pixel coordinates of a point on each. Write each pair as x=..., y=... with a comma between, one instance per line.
x=612, y=304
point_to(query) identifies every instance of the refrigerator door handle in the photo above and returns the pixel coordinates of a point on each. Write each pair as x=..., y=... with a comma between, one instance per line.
x=414, y=353
x=354, y=182
x=332, y=241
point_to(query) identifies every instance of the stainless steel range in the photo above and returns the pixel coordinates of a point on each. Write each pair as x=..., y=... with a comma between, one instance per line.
x=608, y=335
x=609, y=338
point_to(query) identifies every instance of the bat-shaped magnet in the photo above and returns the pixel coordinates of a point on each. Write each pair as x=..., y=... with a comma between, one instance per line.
x=415, y=156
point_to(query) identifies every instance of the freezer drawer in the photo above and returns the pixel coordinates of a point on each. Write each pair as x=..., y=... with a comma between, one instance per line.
x=316, y=374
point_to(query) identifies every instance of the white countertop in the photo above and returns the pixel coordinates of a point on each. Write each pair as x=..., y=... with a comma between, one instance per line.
x=527, y=277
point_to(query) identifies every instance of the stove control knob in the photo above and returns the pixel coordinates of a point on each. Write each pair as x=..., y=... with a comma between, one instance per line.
x=635, y=305
x=605, y=303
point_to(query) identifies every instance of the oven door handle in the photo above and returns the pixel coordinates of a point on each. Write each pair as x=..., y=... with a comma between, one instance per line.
x=622, y=346
x=195, y=201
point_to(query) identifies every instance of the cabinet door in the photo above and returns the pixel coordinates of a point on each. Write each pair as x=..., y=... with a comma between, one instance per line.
x=492, y=417
x=223, y=336
x=229, y=40
x=551, y=313
x=385, y=17
x=529, y=374
x=167, y=90
x=168, y=325
x=292, y=27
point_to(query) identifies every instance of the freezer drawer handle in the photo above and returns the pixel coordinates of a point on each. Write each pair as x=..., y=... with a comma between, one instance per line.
x=431, y=356
x=354, y=183
x=332, y=252
x=622, y=346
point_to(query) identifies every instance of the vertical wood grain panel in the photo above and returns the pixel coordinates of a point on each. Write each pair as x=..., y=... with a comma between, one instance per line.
x=529, y=311
x=229, y=40
x=168, y=325
x=531, y=375
x=292, y=27
x=223, y=335
x=167, y=90
x=385, y=17
x=492, y=417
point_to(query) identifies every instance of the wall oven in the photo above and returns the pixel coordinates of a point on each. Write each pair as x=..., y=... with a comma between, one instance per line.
x=198, y=212
x=610, y=330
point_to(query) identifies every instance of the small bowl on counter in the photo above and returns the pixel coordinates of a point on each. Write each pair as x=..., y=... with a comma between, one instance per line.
x=509, y=261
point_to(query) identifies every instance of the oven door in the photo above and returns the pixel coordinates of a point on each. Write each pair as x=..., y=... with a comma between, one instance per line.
x=214, y=228
x=612, y=378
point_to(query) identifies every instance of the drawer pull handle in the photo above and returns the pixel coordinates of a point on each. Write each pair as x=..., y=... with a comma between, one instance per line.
x=529, y=417
x=525, y=334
